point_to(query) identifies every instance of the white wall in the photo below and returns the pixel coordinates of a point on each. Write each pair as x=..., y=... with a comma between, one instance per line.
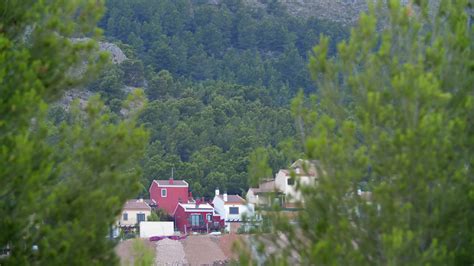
x=281, y=182
x=224, y=209
x=149, y=229
x=219, y=206
x=132, y=216
x=251, y=197
x=243, y=209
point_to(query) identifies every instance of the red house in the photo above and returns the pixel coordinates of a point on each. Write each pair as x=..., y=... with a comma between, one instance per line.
x=196, y=217
x=168, y=193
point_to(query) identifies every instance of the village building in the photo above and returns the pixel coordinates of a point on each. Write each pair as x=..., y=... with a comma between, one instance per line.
x=286, y=180
x=263, y=195
x=282, y=190
x=168, y=193
x=232, y=209
x=196, y=217
x=134, y=212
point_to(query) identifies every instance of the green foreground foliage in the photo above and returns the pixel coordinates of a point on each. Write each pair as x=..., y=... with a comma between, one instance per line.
x=142, y=254
x=394, y=117
x=61, y=187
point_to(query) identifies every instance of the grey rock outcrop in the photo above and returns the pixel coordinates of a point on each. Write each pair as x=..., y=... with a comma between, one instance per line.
x=346, y=12
x=116, y=54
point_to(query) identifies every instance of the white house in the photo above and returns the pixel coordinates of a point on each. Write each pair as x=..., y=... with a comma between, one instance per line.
x=134, y=212
x=231, y=208
x=301, y=171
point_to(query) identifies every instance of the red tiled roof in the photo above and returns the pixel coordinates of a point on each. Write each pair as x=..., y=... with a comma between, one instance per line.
x=172, y=183
x=233, y=199
x=136, y=204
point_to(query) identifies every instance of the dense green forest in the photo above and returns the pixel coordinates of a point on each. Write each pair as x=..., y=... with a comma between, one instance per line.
x=229, y=41
x=218, y=79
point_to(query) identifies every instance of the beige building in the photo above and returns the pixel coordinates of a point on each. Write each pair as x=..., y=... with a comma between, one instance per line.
x=263, y=194
x=282, y=190
x=134, y=212
x=302, y=172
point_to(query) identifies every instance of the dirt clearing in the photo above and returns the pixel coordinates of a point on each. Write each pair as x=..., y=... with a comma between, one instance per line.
x=203, y=249
x=126, y=252
x=170, y=252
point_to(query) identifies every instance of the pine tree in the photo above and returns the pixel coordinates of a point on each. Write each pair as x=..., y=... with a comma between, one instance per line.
x=393, y=116
x=60, y=188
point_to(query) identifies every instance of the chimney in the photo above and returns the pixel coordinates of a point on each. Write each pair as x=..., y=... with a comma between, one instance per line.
x=225, y=196
x=171, y=181
x=217, y=192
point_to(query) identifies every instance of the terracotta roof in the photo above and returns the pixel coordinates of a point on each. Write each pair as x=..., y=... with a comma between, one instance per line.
x=136, y=204
x=167, y=183
x=307, y=168
x=265, y=187
x=150, y=202
x=233, y=199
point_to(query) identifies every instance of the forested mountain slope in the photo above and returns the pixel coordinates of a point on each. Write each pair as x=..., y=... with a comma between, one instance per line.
x=229, y=41
x=218, y=78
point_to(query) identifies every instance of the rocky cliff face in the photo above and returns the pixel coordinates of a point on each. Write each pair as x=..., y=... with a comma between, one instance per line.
x=342, y=11
x=116, y=55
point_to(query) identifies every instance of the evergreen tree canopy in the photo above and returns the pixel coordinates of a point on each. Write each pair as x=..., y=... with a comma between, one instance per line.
x=393, y=118
x=61, y=188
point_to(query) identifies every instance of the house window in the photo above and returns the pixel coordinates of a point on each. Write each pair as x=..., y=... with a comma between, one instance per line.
x=140, y=217
x=291, y=181
x=196, y=220
x=209, y=217
x=163, y=193
x=234, y=210
x=125, y=216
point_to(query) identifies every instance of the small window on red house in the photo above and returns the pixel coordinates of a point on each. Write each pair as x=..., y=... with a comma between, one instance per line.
x=163, y=193
x=209, y=217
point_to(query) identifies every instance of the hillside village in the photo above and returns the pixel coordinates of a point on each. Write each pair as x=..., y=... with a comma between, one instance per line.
x=224, y=213
x=187, y=220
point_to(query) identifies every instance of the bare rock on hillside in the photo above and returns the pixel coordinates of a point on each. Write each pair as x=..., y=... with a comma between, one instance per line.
x=116, y=54
x=70, y=95
x=345, y=12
